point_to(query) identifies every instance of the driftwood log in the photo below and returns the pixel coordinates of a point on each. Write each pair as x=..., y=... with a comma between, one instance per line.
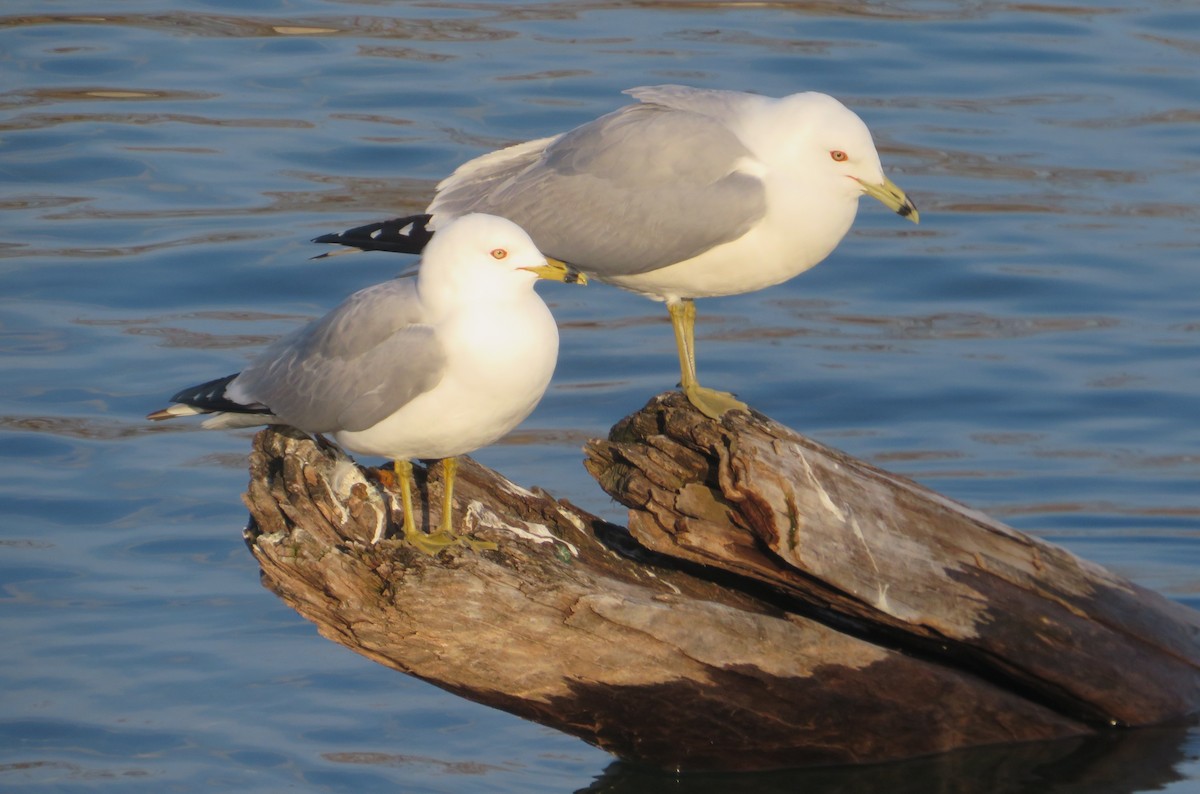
x=774, y=603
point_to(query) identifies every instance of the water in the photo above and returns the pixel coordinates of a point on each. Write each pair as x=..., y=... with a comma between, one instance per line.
x=1030, y=349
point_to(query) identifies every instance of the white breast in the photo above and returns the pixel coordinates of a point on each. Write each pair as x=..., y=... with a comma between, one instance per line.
x=785, y=245
x=490, y=386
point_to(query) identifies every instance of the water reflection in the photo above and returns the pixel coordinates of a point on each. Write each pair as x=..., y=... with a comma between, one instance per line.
x=223, y=26
x=815, y=319
x=1113, y=763
x=400, y=760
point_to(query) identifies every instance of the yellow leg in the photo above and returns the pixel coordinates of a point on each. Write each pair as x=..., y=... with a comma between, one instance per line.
x=447, y=533
x=403, y=471
x=449, y=472
x=444, y=536
x=689, y=330
x=429, y=544
x=683, y=322
x=710, y=402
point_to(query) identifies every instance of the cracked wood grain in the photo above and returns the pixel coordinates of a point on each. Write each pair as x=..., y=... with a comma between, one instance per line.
x=782, y=604
x=898, y=559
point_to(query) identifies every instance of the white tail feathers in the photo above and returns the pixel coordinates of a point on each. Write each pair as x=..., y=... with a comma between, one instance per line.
x=174, y=411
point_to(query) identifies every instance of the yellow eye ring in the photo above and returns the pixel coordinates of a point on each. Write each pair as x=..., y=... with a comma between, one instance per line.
x=839, y=156
x=499, y=253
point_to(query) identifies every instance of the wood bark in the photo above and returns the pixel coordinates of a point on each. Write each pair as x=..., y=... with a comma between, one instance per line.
x=774, y=603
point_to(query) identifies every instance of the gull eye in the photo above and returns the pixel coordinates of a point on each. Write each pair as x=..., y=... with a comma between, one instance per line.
x=499, y=253
x=839, y=156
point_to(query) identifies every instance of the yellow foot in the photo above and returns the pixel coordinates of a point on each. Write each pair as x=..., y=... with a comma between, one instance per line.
x=712, y=403
x=432, y=544
x=477, y=545
x=435, y=543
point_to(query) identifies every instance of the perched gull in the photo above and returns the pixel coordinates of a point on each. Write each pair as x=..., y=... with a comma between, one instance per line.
x=686, y=194
x=431, y=367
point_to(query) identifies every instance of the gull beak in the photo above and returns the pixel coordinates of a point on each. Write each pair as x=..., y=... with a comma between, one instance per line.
x=892, y=197
x=556, y=270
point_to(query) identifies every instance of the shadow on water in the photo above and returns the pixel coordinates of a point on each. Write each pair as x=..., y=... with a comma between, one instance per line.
x=1113, y=763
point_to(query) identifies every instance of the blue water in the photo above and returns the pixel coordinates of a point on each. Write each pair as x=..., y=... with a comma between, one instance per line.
x=1031, y=348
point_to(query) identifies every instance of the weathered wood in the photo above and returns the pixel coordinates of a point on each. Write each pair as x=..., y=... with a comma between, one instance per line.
x=754, y=645
x=751, y=496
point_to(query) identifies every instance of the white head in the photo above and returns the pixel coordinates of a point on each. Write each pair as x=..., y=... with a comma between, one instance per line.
x=483, y=255
x=813, y=140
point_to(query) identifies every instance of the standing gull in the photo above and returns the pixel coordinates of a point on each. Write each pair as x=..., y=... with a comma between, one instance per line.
x=685, y=194
x=431, y=367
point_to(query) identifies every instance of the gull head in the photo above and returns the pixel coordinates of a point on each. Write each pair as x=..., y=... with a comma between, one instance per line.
x=486, y=255
x=819, y=141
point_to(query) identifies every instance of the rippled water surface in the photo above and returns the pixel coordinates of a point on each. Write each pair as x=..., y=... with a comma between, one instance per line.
x=1030, y=348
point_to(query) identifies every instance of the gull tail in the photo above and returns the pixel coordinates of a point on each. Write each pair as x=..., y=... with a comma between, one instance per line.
x=407, y=235
x=210, y=398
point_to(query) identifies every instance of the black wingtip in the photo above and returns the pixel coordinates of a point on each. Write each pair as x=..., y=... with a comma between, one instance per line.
x=407, y=235
x=210, y=397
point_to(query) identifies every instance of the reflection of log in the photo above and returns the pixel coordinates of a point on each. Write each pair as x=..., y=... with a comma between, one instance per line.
x=1108, y=762
x=799, y=606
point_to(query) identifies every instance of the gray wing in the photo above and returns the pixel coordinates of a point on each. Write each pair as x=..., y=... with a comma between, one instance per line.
x=644, y=187
x=352, y=368
x=711, y=102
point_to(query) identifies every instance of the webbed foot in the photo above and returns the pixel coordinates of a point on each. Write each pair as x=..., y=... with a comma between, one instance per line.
x=712, y=403
x=435, y=543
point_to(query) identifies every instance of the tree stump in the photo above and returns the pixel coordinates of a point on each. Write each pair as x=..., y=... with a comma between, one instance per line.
x=774, y=603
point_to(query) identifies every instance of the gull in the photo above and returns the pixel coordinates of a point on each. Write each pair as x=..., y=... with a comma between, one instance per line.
x=686, y=193
x=430, y=367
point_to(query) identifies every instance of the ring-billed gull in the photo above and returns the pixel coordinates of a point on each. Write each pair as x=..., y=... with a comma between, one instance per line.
x=431, y=367
x=686, y=194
